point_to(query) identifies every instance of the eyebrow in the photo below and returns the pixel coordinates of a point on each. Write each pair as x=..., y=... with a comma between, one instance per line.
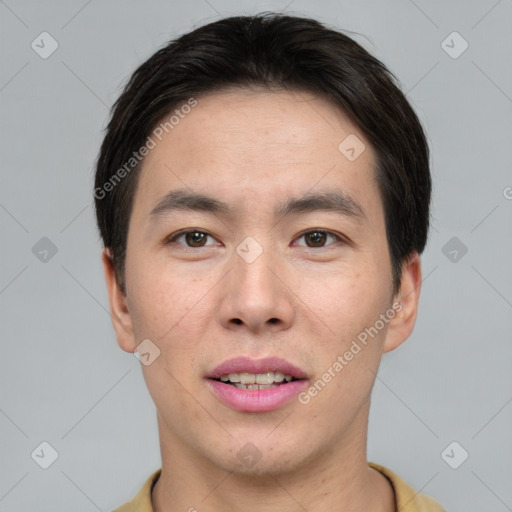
x=332, y=201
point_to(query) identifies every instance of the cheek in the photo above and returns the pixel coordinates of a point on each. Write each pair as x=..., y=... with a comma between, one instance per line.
x=351, y=300
x=349, y=352
x=349, y=356
x=166, y=305
x=150, y=299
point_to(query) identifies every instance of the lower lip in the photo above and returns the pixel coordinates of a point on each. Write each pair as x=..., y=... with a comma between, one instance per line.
x=257, y=400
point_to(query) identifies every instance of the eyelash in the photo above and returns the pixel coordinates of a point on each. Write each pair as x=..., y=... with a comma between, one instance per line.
x=174, y=237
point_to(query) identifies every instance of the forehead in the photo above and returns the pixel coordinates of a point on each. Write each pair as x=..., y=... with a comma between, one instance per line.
x=246, y=143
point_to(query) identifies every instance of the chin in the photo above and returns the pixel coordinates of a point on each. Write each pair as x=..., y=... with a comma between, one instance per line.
x=262, y=456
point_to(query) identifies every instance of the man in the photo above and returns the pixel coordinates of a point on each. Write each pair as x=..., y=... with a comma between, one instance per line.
x=263, y=196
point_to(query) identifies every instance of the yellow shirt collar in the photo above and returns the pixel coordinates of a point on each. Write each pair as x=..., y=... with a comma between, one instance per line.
x=407, y=499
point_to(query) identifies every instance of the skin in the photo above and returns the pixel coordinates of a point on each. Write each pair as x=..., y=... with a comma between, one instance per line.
x=204, y=304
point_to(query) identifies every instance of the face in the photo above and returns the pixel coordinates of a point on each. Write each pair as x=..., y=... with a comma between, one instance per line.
x=285, y=266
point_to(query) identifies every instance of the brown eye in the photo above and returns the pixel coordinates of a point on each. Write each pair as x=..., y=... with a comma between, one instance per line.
x=318, y=238
x=193, y=238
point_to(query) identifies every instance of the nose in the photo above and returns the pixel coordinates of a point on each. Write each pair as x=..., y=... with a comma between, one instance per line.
x=255, y=295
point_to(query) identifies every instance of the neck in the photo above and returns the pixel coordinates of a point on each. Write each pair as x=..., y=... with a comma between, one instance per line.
x=336, y=478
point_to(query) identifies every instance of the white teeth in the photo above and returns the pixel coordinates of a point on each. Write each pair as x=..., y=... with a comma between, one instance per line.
x=278, y=377
x=246, y=380
x=254, y=386
x=265, y=378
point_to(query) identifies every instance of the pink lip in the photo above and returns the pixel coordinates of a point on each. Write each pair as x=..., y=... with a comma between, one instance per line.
x=256, y=400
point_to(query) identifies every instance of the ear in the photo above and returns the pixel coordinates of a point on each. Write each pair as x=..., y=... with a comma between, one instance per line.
x=119, y=312
x=405, y=304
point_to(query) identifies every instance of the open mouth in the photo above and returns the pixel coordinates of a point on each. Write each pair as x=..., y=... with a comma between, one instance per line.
x=255, y=381
x=256, y=385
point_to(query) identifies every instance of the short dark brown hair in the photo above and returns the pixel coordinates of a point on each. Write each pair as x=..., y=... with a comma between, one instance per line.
x=275, y=51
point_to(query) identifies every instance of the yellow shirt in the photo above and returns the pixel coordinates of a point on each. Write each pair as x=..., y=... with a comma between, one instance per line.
x=407, y=499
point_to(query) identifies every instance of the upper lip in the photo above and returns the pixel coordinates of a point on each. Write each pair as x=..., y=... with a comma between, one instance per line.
x=255, y=366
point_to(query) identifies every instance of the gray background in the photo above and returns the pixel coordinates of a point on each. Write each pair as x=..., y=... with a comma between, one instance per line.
x=63, y=378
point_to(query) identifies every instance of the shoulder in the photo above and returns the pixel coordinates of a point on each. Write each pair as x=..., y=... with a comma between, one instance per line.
x=142, y=501
x=407, y=499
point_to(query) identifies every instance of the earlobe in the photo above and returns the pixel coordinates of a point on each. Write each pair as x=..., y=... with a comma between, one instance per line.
x=402, y=324
x=121, y=319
